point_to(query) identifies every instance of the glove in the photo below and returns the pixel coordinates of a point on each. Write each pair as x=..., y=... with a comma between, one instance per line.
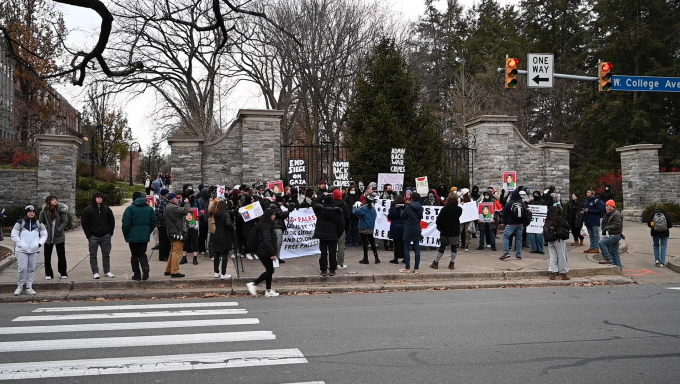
x=357, y=205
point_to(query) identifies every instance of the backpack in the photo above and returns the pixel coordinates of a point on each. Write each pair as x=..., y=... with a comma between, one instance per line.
x=550, y=231
x=528, y=218
x=253, y=239
x=212, y=228
x=517, y=211
x=660, y=224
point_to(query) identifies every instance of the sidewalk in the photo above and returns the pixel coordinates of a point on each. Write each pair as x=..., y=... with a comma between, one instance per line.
x=474, y=269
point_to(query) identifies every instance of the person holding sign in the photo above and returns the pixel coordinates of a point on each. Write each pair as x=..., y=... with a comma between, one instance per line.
x=329, y=227
x=266, y=252
x=397, y=228
x=448, y=225
x=488, y=222
x=191, y=241
x=367, y=214
x=412, y=215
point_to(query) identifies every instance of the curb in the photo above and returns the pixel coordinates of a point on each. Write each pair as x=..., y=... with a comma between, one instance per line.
x=674, y=265
x=8, y=261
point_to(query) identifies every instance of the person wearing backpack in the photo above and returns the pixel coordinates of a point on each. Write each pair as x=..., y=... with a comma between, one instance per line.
x=556, y=233
x=448, y=225
x=612, y=228
x=266, y=252
x=28, y=235
x=514, y=212
x=660, y=222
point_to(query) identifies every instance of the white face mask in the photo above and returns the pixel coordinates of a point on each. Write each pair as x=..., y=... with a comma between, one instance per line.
x=352, y=192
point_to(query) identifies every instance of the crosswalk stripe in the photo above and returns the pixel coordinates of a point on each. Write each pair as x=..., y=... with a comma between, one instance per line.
x=672, y=287
x=133, y=341
x=166, y=363
x=125, y=326
x=89, y=316
x=309, y=382
x=135, y=306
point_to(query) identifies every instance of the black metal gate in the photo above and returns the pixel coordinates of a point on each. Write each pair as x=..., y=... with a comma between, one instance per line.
x=318, y=157
x=461, y=165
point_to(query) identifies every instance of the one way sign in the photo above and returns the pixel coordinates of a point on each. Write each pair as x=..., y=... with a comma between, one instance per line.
x=540, y=70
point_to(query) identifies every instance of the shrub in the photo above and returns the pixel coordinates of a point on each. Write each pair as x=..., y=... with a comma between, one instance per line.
x=672, y=209
x=12, y=214
x=17, y=155
x=106, y=175
x=87, y=187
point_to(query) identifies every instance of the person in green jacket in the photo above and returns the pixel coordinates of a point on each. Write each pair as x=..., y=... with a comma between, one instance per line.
x=139, y=220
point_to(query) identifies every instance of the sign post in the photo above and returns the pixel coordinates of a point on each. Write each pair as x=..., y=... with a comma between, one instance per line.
x=540, y=68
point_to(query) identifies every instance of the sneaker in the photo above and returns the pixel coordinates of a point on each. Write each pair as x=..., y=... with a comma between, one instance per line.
x=17, y=292
x=255, y=256
x=249, y=256
x=604, y=261
x=271, y=293
x=503, y=257
x=217, y=275
x=109, y=274
x=343, y=266
x=466, y=249
x=324, y=273
x=48, y=277
x=488, y=246
x=252, y=289
x=64, y=277
x=281, y=261
x=518, y=258
x=661, y=265
x=212, y=258
x=30, y=291
x=331, y=273
x=657, y=262
x=480, y=248
x=96, y=275
x=225, y=277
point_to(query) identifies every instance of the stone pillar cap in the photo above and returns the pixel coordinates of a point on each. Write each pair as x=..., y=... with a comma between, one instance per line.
x=490, y=119
x=555, y=145
x=639, y=147
x=61, y=138
x=258, y=112
x=185, y=139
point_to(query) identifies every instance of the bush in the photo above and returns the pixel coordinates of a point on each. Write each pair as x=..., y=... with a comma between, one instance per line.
x=672, y=209
x=87, y=187
x=12, y=215
x=17, y=155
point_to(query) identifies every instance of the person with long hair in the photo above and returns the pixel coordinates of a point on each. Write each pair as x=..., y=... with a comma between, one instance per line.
x=266, y=252
x=412, y=215
x=397, y=228
x=367, y=215
x=221, y=240
x=448, y=225
x=465, y=235
x=54, y=216
x=351, y=199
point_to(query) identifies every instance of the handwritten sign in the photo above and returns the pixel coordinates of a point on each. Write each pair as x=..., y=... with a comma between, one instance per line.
x=251, y=211
x=297, y=172
x=298, y=240
x=398, y=160
x=341, y=174
x=395, y=179
x=421, y=185
x=469, y=212
x=538, y=215
x=220, y=191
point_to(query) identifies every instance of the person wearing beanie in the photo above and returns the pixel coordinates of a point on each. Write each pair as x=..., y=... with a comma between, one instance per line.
x=266, y=252
x=54, y=216
x=98, y=224
x=513, y=226
x=330, y=224
x=28, y=235
x=339, y=203
x=351, y=198
x=163, y=240
x=612, y=229
x=367, y=215
x=139, y=220
x=592, y=212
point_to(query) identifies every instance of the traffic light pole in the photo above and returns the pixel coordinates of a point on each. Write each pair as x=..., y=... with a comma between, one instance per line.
x=558, y=76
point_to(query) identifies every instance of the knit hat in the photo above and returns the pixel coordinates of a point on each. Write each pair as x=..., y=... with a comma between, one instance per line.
x=337, y=195
x=172, y=196
x=279, y=198
x=164, y=192
x=328, y=199
x=453, y=189
x=464, y=191
x=309, y=192
x=136, y=195
x=29, y=208
x=612, y=203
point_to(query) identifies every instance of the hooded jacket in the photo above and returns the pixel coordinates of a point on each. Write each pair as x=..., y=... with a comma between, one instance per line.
x=57, y=226
x=607, y=194
x=175, y=219
x=204, y=201
x=412, y=215
x=396, y=222
x=139, y=220
x=28, y=235
x=329, y=221
x=595, y=208
x=98, y=220
x=432, y=199
x=475, y=193
x=514, y=198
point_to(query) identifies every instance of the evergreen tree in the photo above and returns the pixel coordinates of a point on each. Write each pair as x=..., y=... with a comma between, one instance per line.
x=385, y=113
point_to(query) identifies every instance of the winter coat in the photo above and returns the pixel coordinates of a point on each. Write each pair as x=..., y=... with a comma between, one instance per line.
x=366, y=217
x=612, y=223
x=28, y=235
x=98, y=220
x=221, y=240
x=607, y=194
x=507, y=216
x=204, y=200
x=575, y=214
x=139, y=220
x=669, y=224
x=412, y=215
x=57, y=226
x=175, y=219
x=267, y=241
x=595, y=208
x=561, y=222
x=157, y=186
x=396, y=223
x=435, y=201
x=448, y=221
x=329, y=222
x=281, y=216
x=350, y=200
x=346, y=214
x=160, y=211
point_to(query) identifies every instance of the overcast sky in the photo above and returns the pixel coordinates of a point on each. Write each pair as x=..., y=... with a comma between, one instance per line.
x=83, y=21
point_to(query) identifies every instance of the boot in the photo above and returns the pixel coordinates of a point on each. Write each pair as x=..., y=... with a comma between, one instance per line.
x=574, y=244
x=183, y=260
x=195, y=260
x=377, y=260
x=553, y=275
x=394, y=261
x=564, y=276
x=581, y=242
x=364, y=260
x=451, y=265
x=434, y=265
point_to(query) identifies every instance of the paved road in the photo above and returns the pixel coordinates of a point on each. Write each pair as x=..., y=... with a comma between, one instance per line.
x=540, y=335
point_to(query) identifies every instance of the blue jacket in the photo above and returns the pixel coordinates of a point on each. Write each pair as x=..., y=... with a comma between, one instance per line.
x=396, y=224
x=366, y=217
x=412, y=215
x=595, y=208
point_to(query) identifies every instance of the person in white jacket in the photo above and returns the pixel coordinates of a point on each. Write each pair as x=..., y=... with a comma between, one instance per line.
x=28, y=235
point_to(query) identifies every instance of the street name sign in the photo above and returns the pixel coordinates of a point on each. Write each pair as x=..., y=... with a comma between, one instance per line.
x=540, y=68
x=645, y=83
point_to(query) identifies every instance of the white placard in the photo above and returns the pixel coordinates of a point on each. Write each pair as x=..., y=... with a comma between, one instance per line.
x=470, y=212
x=395, y=179
x=539, y=212
x=298, y=240
x=540, y=70
x=421, y=185
x=381, y=229
x=430, y=233
x=220, y=191
x=251, y=211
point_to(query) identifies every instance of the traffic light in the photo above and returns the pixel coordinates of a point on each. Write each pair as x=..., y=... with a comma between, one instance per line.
x=604, y=71
x=511, y=73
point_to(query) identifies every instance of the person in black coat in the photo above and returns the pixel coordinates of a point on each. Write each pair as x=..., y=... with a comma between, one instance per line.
x=448, y=225
x=266, y=251
x=575, y=221
x=660, y=238
x=397, y=228
x=221, y=239
x=329, y=227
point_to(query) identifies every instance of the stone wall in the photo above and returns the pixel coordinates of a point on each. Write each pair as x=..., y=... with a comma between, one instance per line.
x=642, y=182
x=249, y=151
x=17, y=187
x=500, y=147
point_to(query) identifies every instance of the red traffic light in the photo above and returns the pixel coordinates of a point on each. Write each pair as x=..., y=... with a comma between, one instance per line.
x=607, y=66
x=512, y=63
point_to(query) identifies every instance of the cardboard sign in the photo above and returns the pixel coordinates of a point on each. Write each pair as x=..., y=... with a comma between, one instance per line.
x=470, y=212
x=421, y=185
x=341, y=174
x=251, y=211
x=220, y=191
x=539, y=213
x=297, y=172
x=486, y=211
x=509, y=181
x=398, y=160
x=430, y=234
x=395, y=179
x=276, y=186
x=298, y=240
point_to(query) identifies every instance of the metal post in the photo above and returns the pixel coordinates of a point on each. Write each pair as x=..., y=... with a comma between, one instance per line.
x=92, y=151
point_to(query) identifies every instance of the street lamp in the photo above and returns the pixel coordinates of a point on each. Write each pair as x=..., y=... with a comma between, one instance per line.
x=130, y=155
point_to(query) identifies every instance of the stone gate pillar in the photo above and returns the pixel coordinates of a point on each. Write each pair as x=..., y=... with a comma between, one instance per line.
x=639, y=173
x=261, y=144
x=186, y=155
x=57, y=162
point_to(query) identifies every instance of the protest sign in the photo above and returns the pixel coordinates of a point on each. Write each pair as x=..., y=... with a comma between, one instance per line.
x=395, y=179
x=251, y=211
x=509, y=181
x=470, y=212
x=298, y=240
x=486, y=211
x=381, y=229
x=341, y=174
x=539, y=212
x=276, y=186
x=297, y=172
x=398, y=160
x=192, y=217
x=151, y=201
x=220, y=191
x=430, y=233
x=421, y=185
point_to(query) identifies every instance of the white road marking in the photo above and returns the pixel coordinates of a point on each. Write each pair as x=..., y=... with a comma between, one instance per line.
x=124, y=326
x=133, y=341
x=673, y=288
x=135, y=306
x=123, y=315
x=309, y=382
x=141, y=364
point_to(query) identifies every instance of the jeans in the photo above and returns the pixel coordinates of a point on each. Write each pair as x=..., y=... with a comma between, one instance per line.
x=511, y=229
x=594, y=235
x=662, y=243
x=486, y=232
x=609, y=247
x=61, y=259
x=138, y=257
x=328, y=255
x=416, y=252
x=353, y=234
x=536, y=242
x=104, y=242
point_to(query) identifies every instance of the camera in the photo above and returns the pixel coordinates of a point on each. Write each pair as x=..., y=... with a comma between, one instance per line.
x=178, y=237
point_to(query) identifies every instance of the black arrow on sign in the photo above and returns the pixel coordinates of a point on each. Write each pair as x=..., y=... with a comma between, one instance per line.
x=538, y=80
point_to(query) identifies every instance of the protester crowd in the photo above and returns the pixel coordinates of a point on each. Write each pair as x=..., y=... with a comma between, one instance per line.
x=200, y=223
